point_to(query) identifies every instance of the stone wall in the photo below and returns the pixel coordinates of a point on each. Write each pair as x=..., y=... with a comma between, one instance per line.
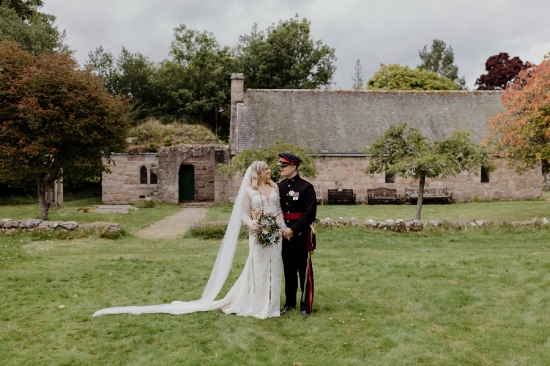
x=208, y=186
x=122, y=184
x=348, y=172
x=204, y=178
x=229, y=188
x=9, y=226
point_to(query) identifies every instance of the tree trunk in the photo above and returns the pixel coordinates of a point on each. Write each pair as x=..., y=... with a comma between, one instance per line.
x=421, y=185
x=41, y=185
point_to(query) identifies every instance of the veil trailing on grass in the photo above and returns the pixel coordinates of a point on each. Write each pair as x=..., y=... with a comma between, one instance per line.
x=217, y=277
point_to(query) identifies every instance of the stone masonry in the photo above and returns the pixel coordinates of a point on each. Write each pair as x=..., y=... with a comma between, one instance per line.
x=340, y=125
x=211, y=184
x=504, y=183
x=122, y=185
x=204, y=178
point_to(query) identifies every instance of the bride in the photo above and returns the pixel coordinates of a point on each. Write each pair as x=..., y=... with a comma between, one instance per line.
x=257, y=290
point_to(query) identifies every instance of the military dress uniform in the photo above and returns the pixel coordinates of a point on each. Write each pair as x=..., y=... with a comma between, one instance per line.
x=299, y=205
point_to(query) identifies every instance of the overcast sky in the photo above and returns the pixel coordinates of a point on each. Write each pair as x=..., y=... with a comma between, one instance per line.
x=381, y=31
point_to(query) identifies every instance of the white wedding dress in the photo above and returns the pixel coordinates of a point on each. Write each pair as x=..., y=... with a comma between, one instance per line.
x=257, y=291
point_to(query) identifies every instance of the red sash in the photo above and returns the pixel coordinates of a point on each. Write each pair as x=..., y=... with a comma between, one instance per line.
x=292, y=216
x=311, y=243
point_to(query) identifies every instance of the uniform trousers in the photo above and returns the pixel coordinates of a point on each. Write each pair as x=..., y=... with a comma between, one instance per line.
x=295, y=264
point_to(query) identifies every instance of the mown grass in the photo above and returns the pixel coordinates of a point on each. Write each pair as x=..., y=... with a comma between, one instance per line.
x=434, y=297
x=131, y=222
x=439, y=296
x=486, y=210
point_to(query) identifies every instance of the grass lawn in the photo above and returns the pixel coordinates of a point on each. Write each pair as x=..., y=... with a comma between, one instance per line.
x=487, y=210
x=131, y=222
x=469, y=297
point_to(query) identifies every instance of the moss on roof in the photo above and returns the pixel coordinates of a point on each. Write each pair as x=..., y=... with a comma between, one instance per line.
x=152, y=136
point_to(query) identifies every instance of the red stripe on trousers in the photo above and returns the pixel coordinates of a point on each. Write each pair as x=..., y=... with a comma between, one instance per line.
x=310, y=282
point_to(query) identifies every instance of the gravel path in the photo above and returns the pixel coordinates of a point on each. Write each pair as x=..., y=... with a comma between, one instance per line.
x=174, y=225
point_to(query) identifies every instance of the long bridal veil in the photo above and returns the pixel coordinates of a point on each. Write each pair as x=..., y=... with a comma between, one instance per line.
x=217, y=277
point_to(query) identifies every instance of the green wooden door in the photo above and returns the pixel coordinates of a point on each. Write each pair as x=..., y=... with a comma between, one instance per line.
x=187, y=182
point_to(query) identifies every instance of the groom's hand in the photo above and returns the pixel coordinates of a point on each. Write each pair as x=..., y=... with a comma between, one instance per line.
x=287, y=233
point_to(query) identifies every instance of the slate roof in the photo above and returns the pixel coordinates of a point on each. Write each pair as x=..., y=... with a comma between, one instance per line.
x=343, y=122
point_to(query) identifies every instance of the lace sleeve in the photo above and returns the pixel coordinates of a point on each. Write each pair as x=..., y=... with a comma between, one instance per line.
x=247, y=220
x=278, y=210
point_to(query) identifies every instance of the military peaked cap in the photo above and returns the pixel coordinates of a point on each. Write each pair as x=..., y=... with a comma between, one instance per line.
x=288, y=159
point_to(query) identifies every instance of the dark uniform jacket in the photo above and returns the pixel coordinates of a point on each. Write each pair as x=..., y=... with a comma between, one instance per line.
x=298, y=196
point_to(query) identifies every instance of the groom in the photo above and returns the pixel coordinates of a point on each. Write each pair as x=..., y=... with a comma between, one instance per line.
x=299, y=205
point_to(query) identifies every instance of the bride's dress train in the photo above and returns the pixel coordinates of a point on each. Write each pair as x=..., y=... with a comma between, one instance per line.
x=257, y=291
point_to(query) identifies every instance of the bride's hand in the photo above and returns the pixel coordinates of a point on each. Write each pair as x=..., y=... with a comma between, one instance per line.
x=255, y=213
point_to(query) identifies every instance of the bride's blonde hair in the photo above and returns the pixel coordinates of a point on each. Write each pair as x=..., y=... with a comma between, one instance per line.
x=257, y=169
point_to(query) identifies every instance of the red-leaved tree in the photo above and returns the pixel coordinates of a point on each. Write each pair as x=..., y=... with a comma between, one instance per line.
x=56, y=120
x=501, y=71
x=522, y=131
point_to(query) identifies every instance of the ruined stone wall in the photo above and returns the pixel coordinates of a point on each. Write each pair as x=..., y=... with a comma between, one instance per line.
x=348, y=172
x=204, y=177
x=208, y=182
x=122, y=184
x=229, y=188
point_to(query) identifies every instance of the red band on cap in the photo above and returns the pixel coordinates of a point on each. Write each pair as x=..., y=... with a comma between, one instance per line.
x=285, y=160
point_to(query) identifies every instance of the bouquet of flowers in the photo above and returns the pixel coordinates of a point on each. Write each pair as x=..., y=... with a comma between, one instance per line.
x=266, y=229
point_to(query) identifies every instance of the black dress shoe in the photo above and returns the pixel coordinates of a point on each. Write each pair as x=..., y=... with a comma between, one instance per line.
x=286, y=309
x=304, y=313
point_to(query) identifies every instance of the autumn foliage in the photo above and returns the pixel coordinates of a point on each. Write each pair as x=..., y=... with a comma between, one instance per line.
x=501, y=71
x=522, y=131
x=56, y=120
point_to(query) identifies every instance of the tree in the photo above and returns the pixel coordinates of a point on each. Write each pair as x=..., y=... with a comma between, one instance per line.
x=195, y=81
x=440, y=59
x=270, y=154
x=285, y=56
x=131, y=75
x=56, y=120
x=25, y=9
x=522, y=131
x=34, y=31
x=399, y=77
x=357, y=77
x=409, y=154
x=501, y=71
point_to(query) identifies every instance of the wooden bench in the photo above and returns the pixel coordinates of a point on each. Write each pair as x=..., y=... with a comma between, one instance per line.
x=341, y=195
x=430, y=194
x=382, y=195
x=319, y=195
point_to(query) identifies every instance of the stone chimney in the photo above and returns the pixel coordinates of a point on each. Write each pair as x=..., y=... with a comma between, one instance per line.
x=237, y=96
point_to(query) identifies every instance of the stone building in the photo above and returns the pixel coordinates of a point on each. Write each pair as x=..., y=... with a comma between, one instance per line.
x=340, y=125
x=176, y=174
